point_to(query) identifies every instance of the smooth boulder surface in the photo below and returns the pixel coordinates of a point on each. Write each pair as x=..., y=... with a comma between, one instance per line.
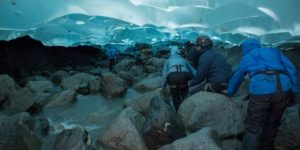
x=206, y=109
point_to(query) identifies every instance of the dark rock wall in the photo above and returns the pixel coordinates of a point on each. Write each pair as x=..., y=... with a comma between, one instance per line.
x=25, y=56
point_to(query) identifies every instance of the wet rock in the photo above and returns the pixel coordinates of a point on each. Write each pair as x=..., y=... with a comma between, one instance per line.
x=156, y=62
x=125, y=132
x=19, y=101
x=127, y=77
x=148, y=84
x=124, y=65
x=58, y=76
x=162, y=125
x=288, y=135
x=14, y=136
x=80, y=80
x=231, y=144
x=73, y=139
x=96, y=71
x=137, y=70
x=206, y=139
x=40, y=86
x=8, y=85
x=62, y=98
x=112, y=85
x=39, y=126
x=206, y=109
x=141, y=103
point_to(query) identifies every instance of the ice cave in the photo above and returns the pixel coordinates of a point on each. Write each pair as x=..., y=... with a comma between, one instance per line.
x=98, y=74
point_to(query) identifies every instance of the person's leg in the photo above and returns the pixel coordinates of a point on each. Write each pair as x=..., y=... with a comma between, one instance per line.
x=184, y=89
x=173, y=82
x=272, y=123
x=258, y=110
x=110, y=65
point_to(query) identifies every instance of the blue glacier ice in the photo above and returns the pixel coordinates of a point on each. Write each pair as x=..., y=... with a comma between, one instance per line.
x=125, y=22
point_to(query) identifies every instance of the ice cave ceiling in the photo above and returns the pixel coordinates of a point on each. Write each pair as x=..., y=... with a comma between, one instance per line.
x=73, y=22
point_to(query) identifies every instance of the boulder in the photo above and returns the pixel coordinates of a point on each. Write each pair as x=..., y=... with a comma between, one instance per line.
x=141, y=103
x=148, y=84
x=14, y=136
x=72, y=139
x=39, y=126
x=40, y=86
x=206, y=109
x=112, y=86
x=231, y=144
x=58, y=76
x=288, y=135
x=162, y=125
x=204, y=139
x=19, y=101
x=127, y=77
x=8, y=85
x=62, y=98
x=124, y=132
x=124, y=65
x=156, y=62
x=83, y=83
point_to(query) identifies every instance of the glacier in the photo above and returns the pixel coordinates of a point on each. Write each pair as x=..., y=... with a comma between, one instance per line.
x=125, y=22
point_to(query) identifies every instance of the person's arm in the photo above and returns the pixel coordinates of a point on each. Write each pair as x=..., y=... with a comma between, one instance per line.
x=202, y=71
x=236, y=80
x=291, y=70
x=191, y=68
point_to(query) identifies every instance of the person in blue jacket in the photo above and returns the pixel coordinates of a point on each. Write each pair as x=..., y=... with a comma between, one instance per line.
x=176, y=73
x=273, y=79
x=213, y=70
x=113, y=54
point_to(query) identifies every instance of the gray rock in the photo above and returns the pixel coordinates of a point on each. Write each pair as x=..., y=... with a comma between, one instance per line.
x=148, y=84
x=206, y=109
x=40, y=86
x=125, y=132
x=73, y=139
x=124, y=65
x=127, y=77
x=156, y=62
x=8, y=85
x=141, y=102
x=14, y=136
x=231, y=144
x=112, y=86
x=62, y=98
x=19, y=101
x=288, y=135
x=58, y=76
x=204, y=139
x=80, y=80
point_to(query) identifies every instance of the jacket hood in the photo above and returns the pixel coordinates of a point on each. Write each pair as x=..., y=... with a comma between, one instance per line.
x=175, y=52
x=250, y=44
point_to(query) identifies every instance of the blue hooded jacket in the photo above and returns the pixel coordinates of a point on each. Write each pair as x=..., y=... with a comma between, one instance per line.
x=257, y=59
x=176, y=59
x=212, y=67
x=113, y=53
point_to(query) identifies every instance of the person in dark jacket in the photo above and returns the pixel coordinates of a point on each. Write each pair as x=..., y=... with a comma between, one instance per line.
x=213, y=70
x=113, y=54
x=176, y=73
x=273, y=79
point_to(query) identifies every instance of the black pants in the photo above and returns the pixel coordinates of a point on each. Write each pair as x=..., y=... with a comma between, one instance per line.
x=263, y=119
x=112, y=62
x=177, y=82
